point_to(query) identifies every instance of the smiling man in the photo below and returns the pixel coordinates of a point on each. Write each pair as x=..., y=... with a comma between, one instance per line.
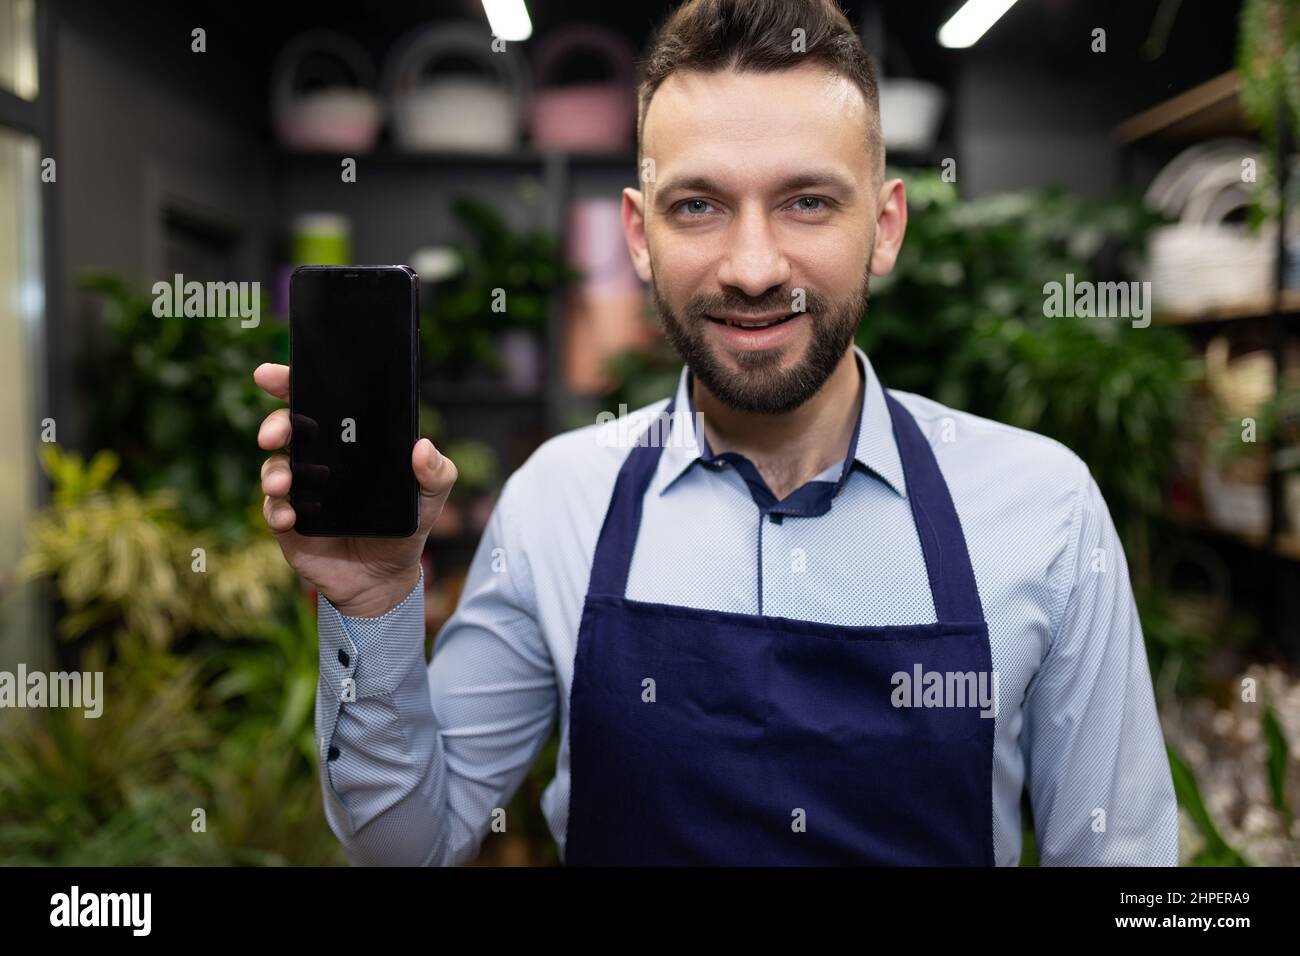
x=827, y=623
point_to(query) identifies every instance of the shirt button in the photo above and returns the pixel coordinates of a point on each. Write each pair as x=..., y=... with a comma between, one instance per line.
x=334, y=753
x=343, y=657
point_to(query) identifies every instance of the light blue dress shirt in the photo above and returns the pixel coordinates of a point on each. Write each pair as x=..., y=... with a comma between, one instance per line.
x=419, y=759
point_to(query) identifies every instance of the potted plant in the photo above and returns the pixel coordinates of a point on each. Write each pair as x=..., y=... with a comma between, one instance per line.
x=493, y=313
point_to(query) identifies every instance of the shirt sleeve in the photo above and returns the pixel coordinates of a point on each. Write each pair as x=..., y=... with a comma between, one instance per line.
x=1098, y=772
x=419, y=760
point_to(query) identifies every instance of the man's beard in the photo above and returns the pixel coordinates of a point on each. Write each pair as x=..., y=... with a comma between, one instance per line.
x=762, y=386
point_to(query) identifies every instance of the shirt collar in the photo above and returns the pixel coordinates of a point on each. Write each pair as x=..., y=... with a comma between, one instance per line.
x=875, y=448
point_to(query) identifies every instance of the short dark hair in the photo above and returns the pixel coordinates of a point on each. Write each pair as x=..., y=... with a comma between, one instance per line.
x=758, y=36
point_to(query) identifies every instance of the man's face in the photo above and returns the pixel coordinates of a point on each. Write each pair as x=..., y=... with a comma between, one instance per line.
x=762, y=202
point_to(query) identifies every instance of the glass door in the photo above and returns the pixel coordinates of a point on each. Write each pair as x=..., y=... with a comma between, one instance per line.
x=22, y=319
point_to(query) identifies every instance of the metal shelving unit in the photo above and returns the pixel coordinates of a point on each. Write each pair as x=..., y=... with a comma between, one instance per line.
x=1209, y=110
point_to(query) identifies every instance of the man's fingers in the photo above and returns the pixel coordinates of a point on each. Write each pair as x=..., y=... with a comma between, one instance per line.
x=276, y=476
x=279, y=514
x=273, y=379
x=275, y=431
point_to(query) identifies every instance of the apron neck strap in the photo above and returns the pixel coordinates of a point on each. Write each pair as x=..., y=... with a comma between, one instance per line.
x=613, y=557
x=947, y=559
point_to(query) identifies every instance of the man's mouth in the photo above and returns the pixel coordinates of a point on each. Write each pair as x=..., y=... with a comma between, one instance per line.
x=740, y=322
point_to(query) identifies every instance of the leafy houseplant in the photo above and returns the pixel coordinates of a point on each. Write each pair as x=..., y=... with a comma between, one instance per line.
x=175, y=399
x=211, y=677
x=1268, y=69
x=961, y=318
x=210, y=657
x=464, y=314
x=126, y=562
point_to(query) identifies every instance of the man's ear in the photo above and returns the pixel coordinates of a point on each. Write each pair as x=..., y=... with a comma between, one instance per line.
x=634, y=231
x=891, y=224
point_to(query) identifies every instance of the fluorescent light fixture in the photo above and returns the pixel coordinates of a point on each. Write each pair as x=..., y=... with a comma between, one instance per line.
x=508, y=19
x=972, y=21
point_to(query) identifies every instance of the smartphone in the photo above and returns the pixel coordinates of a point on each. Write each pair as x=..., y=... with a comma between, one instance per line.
x=354, y=337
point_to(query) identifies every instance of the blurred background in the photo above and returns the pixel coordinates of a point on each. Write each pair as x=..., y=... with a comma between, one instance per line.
x=1151, y=141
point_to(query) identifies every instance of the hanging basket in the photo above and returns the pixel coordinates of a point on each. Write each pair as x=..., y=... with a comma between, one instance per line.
x=434, y=113
x=340, y=113
x=595, y=116
x=1204, y=262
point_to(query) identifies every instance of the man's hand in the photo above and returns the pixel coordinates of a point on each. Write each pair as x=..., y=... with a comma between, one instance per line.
x=362, y=577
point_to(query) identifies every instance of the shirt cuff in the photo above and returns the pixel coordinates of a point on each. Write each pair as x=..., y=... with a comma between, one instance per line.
x=367, y=656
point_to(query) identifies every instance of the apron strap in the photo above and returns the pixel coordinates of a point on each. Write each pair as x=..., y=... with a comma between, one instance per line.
x=614, y=547
x=943, y=545
x=947, y=560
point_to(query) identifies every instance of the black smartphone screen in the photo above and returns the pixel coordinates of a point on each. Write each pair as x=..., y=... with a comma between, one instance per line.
x=353, y=400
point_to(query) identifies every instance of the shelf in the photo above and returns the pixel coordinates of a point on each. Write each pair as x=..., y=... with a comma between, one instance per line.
x=1263, y=309
x=1205, y=111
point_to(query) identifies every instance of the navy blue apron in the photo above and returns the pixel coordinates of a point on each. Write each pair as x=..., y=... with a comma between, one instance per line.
x=773, y=741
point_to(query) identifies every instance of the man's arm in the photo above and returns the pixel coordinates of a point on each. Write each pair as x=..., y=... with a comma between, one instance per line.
x=1098, y=773
x=412, y=770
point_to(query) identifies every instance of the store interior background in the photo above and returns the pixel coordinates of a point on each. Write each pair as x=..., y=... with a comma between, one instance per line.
x=172, y=161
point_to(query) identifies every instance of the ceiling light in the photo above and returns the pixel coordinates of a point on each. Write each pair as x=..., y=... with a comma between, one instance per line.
x=972, y=21
x=508, y=19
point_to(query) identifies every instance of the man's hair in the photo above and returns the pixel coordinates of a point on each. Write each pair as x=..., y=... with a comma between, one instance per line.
x=759, y=36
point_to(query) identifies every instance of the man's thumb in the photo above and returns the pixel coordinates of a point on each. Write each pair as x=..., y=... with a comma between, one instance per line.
x=436, y=474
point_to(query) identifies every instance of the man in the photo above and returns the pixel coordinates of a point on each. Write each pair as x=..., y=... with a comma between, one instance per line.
x=810, y=620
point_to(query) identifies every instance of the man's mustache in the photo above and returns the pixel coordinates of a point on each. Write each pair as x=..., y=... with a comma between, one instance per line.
x=812, y=303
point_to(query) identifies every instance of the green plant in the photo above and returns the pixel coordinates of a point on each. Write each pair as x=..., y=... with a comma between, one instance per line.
x=1279, y=754
x=961, y=318
x=175, y=399
x=210, y=681
x=263, y=776
x=1274, y=420
x=506, y=282
x=1268, y=66
x=226, y=730
x=106, y=791
x=1216, y=851
x=645, y=375
x=1175, y=652
x=476, y=465
x=126, y=562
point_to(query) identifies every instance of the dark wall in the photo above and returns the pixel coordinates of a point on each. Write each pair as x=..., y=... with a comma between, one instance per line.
x=145, y=127
x=1035, y=106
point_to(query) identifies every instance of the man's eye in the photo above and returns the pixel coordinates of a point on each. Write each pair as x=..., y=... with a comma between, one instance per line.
x=806, y=199
x=692, y=205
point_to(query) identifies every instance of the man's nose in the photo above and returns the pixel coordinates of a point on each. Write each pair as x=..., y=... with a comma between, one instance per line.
x=753, y=261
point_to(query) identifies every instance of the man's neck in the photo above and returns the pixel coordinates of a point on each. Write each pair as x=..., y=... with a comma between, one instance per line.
x=790, y=449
